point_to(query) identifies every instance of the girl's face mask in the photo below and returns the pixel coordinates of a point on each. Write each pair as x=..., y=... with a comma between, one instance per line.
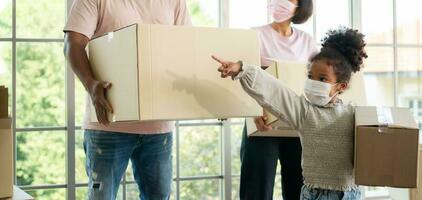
x=281, y=10
x=318, y=93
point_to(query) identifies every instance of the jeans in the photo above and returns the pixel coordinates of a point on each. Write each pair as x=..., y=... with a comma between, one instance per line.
x=323, y=194
x=107, y=157
x=259, y=156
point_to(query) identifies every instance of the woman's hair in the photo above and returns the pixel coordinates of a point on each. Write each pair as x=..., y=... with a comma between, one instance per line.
x=303, y=11
x=343, y=49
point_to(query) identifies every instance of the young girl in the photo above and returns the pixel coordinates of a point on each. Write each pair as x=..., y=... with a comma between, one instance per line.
x=279, y=40
x=326, y=125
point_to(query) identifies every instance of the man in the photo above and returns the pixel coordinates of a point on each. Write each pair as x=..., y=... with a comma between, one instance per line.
x=109, y=146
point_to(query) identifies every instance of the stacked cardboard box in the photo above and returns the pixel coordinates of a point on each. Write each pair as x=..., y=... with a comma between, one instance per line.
x=386, y=147
x=6, y=147
x=161, y=72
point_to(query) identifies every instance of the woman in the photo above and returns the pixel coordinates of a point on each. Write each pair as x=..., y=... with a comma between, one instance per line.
x=259, y=155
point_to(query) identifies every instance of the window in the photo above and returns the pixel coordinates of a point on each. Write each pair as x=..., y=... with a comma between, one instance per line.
x=33, y=68
x=204, y=13
x=247, y=13
x=393, y=69
x=47, y=102
x=324, y=16
x=409, y=78
x=415, y=105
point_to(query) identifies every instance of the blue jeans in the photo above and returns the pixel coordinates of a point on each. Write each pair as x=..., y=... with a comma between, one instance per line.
x=322, y=194
x=107, y=157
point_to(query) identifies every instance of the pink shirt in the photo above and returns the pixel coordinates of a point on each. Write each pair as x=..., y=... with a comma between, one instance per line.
x=93, y=18
x=297, y=47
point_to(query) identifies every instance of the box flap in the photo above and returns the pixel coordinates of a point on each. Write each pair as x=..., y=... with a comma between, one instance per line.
x=113, y=58
x=391, y=117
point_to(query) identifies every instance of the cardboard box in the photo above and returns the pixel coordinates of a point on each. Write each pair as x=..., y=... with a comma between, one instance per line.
x=293, y=75
x=4, y=113
x=416, y=194
x=6, y=158
x=161, y=72
x=386, y=147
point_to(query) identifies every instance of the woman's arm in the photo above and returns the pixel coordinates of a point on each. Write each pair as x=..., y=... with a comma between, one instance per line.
x=269, y=92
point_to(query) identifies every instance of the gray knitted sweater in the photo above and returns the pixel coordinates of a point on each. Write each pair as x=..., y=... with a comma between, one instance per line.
x=326, y=133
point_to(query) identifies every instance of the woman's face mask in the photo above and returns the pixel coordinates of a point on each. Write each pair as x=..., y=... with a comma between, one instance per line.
x=318, y=93
x=281, y=10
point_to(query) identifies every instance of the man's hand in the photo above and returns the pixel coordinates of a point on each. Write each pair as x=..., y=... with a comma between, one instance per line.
x=228, y=68
x=260, y=123
x=97, y=92
x=74, y=51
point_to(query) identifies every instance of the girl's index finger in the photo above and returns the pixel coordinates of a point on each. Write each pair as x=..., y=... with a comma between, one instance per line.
x=218, y=60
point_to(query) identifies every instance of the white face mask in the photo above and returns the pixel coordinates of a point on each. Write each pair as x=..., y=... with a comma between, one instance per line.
x=281, y=10
x=318, y=93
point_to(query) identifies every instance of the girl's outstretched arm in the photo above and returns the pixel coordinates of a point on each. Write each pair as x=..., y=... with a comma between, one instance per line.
x=269, y=92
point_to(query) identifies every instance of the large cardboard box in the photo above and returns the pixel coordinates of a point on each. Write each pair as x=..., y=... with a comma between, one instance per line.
x=416, y=194
x=293, y=75
x=3, y=102
x=386, y=147
x=161, y=72
x=19, y=194
x=6, y=158
x=6, y=147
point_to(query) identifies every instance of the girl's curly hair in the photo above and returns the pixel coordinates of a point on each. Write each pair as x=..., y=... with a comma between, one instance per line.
x=343, y=48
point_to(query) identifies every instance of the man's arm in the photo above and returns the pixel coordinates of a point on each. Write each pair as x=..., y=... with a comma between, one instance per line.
x=74, y=51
